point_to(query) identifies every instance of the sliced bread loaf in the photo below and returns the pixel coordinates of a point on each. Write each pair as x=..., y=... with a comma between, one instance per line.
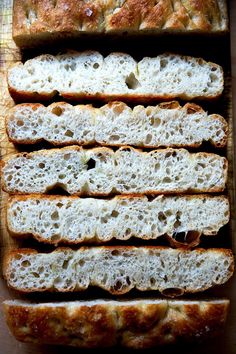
x=73, y=220
x=136, y=324
x=119, y=269
x=167, y=124
x=101, y=171
x=118, y=76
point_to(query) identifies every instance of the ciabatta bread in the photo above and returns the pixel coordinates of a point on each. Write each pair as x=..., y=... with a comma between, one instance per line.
x=73, y=220
x=119, y=269
x=167, y=124
x=88, y=75
x=101, y=171
x=136, y=324
x=43, y=22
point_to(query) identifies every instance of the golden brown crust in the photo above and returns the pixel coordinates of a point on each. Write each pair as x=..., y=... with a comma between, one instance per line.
x=134, y=324
x=190, y=107
x=192, y=237
x=26, y=96
x=41, y=21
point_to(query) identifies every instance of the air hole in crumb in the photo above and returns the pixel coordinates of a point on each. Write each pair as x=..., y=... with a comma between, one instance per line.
x=20, y=123
x=166, y=180
x=66, y=157
x=177, y=224
x=128, y=280
x=157, y=166
x=213, y=77
x=91, y=164
x=114, y=213
x=161, y=216
x=59, y=205
x=127, y=231
x=62, y=176
x=96, y=65
x=41, y=165
x=152, y=281
x=163, y=63
x=57, y=111
x=115, y=253
x=81, y=262
x=55, y=215
x=117, y=286
x=36, y=275
x=65, y=264
x=104, y=220
x=148, y=139
x=26, y=263
x=69, y=133
x=55, y=238
x=131, y=82
x=155, y=122
x=114, y=137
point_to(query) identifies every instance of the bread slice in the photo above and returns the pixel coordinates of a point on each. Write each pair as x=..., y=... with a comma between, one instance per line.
x=73, y=220
x=89, y=75
x=119, y=269
x=116, y=124
x=136, y=324
x=101, y=171
x=36, y=23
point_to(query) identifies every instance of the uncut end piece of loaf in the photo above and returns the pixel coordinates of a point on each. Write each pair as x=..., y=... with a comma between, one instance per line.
x=119, y=269
x=136, y=324
x=55, y=219
x=117, y=76
x=101, y=171
x=116, y=124
x=36, y=22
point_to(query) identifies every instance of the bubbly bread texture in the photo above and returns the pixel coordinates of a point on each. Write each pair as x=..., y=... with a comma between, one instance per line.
x=116, y=124
x=36, y=22
x=89, y=75
x=55, y=219
x=101, y=171
x=119, y=269
x=136, y=324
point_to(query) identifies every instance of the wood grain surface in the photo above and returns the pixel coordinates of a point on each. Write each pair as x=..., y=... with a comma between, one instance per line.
x=217, y=50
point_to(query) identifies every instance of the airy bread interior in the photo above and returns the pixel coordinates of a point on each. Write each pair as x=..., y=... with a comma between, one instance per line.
x=101, y=171
x=167, y=124
x=119, y=269
x=90, y=75
x=76, y=220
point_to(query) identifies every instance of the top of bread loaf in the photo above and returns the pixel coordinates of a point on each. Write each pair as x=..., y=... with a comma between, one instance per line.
x=89, y=75
x=136, y=324
x=39, y=21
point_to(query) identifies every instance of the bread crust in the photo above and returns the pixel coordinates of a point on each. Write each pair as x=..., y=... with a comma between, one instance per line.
x=26, y=96
x=40, y=22
x=16, y=253
x=193, y=242
x=189, y=107
x=213, y=189
x=135, y=324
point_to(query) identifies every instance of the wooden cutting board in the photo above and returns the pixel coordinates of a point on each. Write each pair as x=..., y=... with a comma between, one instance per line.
x=10, y=54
